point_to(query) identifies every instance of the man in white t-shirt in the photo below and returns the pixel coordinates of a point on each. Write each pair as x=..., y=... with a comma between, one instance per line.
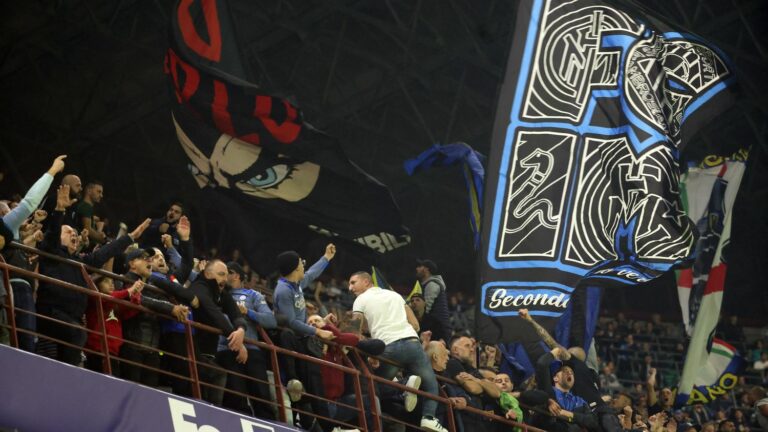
x=392, y=321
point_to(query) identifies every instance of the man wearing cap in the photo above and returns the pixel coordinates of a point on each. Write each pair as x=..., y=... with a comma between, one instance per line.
x=22, y=287
x=144, y=328
x=392, y=321
x=435, y=297
x=290, y=306
x=61, y=303
x=253, y=306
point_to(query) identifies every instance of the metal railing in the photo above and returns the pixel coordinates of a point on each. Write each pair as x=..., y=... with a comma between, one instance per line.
x=194, y=379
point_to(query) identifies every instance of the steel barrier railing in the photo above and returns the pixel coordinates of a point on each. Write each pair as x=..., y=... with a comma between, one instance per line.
x=194, y=379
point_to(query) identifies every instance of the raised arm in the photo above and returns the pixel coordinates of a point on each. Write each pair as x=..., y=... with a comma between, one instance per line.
x=545, y=336
x=317, y=268
x=650, y=387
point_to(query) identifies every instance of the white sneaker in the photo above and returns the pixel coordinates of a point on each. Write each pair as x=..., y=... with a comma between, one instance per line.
x=338, y=429
x=294, y=389
x=432, y=424
x=410, y=399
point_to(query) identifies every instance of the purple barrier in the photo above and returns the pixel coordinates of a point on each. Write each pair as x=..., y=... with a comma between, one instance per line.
x=39, y=394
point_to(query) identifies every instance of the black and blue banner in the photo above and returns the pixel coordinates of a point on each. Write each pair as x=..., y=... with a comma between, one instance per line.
x=582, y=181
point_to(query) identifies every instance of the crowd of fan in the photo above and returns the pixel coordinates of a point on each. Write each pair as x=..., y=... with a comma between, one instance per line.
x=428, y=334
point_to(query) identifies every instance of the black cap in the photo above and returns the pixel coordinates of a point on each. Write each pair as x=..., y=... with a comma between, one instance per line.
x=6, y=233
x=287, y=262
x=555, y=367
x=234, y=267
x=429, y=264
x=138, y=253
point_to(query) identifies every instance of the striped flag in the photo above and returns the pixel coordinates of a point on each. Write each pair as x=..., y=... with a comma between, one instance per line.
x=709, y=193
x=719, y=375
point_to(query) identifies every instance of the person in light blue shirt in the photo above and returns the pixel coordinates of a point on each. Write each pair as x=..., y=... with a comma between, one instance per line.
x=12, y=220
x=254, y=308
x=290, y=307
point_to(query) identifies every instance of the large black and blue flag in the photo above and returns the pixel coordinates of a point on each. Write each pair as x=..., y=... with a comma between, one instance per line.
x=254, y=153
x=582, y=188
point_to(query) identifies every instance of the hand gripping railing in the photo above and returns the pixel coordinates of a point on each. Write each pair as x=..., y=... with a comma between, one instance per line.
x=264, y=344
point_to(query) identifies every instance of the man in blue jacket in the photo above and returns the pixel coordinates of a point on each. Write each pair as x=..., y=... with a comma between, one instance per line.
x=257, y=313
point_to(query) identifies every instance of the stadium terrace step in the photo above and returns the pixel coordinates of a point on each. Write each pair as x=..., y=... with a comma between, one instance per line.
x=41, y=394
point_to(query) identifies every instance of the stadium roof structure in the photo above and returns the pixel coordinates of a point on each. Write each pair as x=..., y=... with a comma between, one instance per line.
x=389, y=78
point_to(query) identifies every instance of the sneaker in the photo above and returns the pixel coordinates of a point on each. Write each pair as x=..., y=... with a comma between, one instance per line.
x=410, y=399
x=432, y=424
x=294, y=389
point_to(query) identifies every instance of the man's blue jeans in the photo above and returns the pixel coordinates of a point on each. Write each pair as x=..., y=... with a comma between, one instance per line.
x=410, y=354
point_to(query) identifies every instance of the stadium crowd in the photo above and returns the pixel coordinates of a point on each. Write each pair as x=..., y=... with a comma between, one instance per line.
x=627, y=384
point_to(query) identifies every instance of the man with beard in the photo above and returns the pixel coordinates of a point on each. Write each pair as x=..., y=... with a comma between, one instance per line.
x=586, y=381
x=164, y=225
x=462, y=368
x=435, y=298
x=217, y=309
x=93, y=193
x=75, y=187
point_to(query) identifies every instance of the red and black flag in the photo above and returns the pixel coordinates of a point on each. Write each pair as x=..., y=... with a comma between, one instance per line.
x=256, y=149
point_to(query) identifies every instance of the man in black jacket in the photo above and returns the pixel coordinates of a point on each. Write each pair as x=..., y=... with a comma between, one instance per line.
x=217, y=309
x=581, y=382
x=144, y=328
x=60, y=303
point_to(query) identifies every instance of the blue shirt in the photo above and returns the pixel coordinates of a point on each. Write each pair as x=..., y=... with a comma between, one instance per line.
x=289, y=299
x=568, y=401
x=258, y=313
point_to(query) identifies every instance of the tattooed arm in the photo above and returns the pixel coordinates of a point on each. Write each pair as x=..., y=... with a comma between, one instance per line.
x=545, y=336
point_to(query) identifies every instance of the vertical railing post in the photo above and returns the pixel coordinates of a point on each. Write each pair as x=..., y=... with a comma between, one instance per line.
x=371, y=392
x=276, y=373
x=359, y=396
x=102, y=324
x=10, y=305
x=449, y=411
x=192, y=362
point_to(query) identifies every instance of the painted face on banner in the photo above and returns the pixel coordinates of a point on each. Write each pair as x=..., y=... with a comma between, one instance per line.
x=244, y=167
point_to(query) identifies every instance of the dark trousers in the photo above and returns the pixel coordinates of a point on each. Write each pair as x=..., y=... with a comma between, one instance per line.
x=95, y=363
x=309, y=374
x=255, y=367
x=139, y=374
x=73, y=335
x=23, y=301
x=176, y=343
